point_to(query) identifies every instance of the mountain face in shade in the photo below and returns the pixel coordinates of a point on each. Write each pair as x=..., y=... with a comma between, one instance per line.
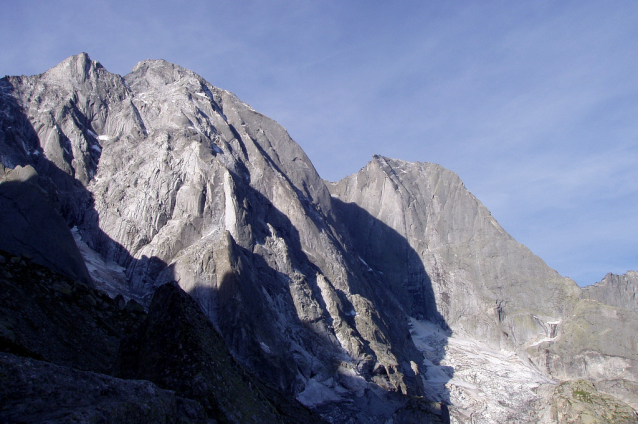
x=390, y=295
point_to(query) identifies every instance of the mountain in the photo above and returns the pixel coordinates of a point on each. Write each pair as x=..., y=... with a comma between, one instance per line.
x=390, y=296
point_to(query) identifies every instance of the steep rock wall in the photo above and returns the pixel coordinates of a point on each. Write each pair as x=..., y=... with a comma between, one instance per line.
x=481, y=277
x=175, y=179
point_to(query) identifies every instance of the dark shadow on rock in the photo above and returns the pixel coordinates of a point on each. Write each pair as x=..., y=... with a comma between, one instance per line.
x=53, y=190
x=48, y=316
x=391, y=265
x=391, y=261
x=256, y=313
x=36, y=392
x=30, y=226
x=178, y=348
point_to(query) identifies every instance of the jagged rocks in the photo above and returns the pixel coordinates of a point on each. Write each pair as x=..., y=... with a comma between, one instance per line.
x=61, y=337
x=620, y=291
x=58, y=338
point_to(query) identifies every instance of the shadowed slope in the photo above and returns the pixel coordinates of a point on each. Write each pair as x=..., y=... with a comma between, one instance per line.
x=178, y=348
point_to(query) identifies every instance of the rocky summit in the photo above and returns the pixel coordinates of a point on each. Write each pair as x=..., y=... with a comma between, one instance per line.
x=170, y=254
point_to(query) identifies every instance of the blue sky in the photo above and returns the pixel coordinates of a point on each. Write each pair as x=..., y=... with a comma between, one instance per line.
x=533, y=103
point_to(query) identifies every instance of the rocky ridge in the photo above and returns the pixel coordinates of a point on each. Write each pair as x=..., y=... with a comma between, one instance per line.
x=380, y=297
x=616, y=290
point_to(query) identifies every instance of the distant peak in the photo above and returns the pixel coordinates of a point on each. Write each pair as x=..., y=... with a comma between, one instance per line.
x=79, y=66
x=386, y=162
x=164, y=71
x=154, y=63
x=379, y=158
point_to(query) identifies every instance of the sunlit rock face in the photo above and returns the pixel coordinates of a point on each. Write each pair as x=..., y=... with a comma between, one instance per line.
x=517, y=326
x=376, y=298
x=486, y=284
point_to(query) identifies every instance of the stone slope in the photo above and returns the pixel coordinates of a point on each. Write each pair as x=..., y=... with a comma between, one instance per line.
x=36, y=392
x=580, y=402
x=64, y=344
x=48, y=316
x=178, y=348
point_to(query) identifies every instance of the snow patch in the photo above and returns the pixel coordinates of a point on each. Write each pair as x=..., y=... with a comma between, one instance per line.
x=107, y=275
x=487, y=384
x=265, y=347
x=364, y=262
x=316, y=393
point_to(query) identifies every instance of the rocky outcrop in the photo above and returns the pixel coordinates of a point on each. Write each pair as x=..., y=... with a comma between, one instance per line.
x=579, y=402
x=495, y=295
x=598, y=343
x=31, y=226
x=480, y=277
x=48, y=316
x=63, y=342
x=620, y=291
x=58, y=340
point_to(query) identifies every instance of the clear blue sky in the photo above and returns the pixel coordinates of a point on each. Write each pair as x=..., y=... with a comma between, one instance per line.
x=533, y=103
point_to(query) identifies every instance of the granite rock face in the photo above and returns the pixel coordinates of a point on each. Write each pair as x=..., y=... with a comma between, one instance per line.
x=480, y=277
x=358, y=298
x=174, y=179
x=493, y=293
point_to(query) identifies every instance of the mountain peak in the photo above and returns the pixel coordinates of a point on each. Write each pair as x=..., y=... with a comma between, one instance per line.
x=79, y=67
x=162, y=72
